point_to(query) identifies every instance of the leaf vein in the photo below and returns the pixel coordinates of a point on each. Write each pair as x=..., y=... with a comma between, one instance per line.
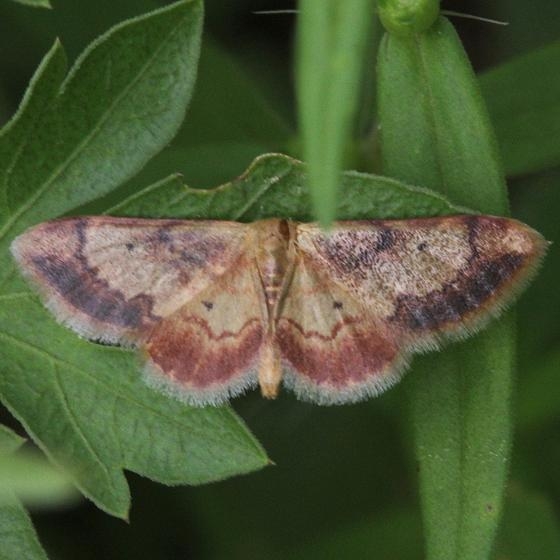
x=98, y=382
x=73, y=420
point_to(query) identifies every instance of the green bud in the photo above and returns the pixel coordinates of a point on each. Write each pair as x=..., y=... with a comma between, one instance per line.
x=406, y=17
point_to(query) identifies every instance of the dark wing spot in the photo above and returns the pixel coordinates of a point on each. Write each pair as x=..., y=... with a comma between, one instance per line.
x=356, y=252
x=192, y=258
x=422, y=246
x=163, y=236
x=208, y=304
x=130, y=246
x=337, y=305
x=385, y=241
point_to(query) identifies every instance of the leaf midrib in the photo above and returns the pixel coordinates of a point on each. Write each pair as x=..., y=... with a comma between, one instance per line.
x=431, y=114
x=443, y=185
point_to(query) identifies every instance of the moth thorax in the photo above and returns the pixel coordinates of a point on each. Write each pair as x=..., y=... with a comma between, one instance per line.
x=272, y=258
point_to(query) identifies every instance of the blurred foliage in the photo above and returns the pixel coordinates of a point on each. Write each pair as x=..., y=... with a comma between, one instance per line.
x=331, y=43
x=17, y=536
x=35, y=3
x=345, y=484
x=523, y=98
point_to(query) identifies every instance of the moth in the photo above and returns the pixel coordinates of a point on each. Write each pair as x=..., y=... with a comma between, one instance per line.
x=218, y=307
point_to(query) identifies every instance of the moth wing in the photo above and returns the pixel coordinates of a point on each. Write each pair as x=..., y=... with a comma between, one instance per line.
x=208, y=350
x=332, y=351
x=114, y=279
x=369, y=294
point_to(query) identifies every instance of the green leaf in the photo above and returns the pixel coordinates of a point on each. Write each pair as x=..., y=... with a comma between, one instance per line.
x=122, y=102
x=88, y=409
x=275, y=186
x=435, y=132
x=14, y=136
x=427, y=93
x=17, y=535
x=35, y=3
x=332, y=37
x=523, y=98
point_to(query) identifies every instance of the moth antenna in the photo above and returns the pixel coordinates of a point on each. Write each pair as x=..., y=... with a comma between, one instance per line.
x=444, y=12
x=471, y=16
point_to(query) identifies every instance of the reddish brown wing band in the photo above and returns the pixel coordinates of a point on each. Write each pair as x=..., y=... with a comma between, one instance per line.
x=210, y=347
